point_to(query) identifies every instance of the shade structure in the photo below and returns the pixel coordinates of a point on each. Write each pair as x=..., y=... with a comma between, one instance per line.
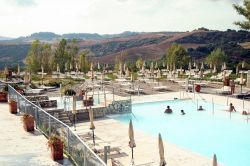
x=58, y=68
x=18, y=69
x=215, y=160
x=161, y=151
x=131, y=137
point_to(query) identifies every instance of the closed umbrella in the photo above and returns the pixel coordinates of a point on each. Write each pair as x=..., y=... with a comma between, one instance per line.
x=241, y=78
x=161, y=151
x=243, y=65
x=189, y=66
x=42, y=71
x=167, y=67
x=131, y=77
x=66, y=67
x=18, y=69
x=181, y=72
x=131, y=143
x=202, y=66
x=222, y=68
x=70, y=66
x=211, y=65
x=194, y=64
x=91, y=66
x=215, y=70
x=120, y=69
x=26, y=78
x=57, y=68
x=127, y=72
x=237, y=70
x=152, y=66
x=98, y=66
x=124, y=67
x=163, y=64
x=156, y=65
x=215, y=160
x=225, y=66
x=92, y=126
x=6, y=70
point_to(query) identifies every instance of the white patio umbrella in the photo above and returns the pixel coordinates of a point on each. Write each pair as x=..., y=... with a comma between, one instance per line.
x=18, y=69
x=202, y=66
x=127, y=72
x=163, y=64
x=124, y=67
x=215, y=70
x=26, y=78
x=6, y=70
x=92, y=126
x=225, y=66
x=70, y=67
x=241, y=77
x=66, y=67
x=156, y=65
x=161, y=151
x=57, y=69
x=243, y=65
x=91, y=66
x=158, y=73
x=98, y=66
x=131, y=143
x=215, y=160
x=42, y=71
x=237, y=70
x=189, y=66
x=152, y=66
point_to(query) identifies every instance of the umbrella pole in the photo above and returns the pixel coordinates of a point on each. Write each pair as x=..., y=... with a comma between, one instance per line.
x=132, y=153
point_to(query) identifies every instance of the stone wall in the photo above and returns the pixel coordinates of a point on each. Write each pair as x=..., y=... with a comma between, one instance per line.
x=119, y=107
x=37, y=98
x=46, y=103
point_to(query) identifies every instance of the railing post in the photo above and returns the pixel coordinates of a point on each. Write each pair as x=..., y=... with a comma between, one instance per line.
x=49, y=125
x=25, y=111
x=68, y=140
x=36, y=118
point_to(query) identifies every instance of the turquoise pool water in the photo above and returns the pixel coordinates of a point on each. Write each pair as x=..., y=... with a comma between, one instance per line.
x=199, y=131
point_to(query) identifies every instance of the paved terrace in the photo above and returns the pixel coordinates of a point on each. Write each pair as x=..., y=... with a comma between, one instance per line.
x=20, y=148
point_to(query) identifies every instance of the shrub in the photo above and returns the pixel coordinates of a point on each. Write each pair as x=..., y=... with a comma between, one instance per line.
x=69, y=92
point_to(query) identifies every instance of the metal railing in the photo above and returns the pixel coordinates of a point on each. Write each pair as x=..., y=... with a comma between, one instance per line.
x=74, y=147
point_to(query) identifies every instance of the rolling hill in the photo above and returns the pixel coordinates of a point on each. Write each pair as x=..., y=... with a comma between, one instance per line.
x=149, y=46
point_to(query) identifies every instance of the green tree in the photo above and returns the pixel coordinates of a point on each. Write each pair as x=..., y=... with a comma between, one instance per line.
x=216, y=57
x=34, y=57
x=61, y=55
x=177, y=55
x=84, y=62
x=244, y=11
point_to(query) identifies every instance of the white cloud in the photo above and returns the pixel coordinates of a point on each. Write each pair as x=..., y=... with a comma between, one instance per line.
x=113, y=16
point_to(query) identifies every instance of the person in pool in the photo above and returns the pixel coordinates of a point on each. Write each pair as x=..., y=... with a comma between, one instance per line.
x=182, y=112
x=200, y=108
x=168, y=110
x=231, y=108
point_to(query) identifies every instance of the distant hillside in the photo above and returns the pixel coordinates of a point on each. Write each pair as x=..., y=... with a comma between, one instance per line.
x=149, y=46
x=5, y=38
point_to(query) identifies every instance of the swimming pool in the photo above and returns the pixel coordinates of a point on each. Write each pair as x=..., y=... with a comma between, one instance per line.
x=200, y=131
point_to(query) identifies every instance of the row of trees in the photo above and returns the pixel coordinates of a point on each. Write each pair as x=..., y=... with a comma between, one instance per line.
x=65, y=54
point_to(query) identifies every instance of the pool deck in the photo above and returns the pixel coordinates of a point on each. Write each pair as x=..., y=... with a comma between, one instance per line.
x=20, y=148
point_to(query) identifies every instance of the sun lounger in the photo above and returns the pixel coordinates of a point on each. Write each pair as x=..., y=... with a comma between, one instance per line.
x=159, y=88
x=245, y=95
x=224, y=90
x=132, y=91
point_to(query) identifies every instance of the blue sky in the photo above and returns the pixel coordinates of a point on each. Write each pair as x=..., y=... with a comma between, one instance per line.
x=23, y=17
